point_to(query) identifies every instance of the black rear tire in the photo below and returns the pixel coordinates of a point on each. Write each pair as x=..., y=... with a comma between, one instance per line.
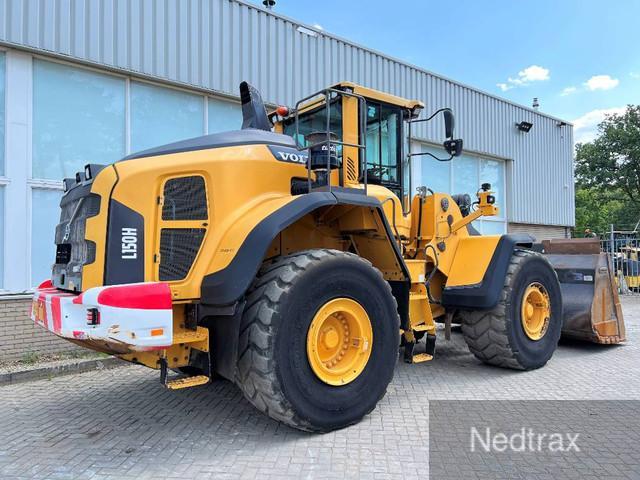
x=497, y=336
x=273, y=368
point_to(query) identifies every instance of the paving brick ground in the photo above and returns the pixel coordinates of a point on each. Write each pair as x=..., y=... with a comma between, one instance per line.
x=121, y=424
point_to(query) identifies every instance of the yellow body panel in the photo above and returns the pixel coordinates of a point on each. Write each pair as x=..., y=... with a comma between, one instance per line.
x=96, y=229
x=350, y=155
x=472, y=258
x=261, y=186
x=235, y=208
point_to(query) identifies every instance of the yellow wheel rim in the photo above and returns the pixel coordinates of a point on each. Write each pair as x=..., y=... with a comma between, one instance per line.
x=339, y=341
x=536, y=311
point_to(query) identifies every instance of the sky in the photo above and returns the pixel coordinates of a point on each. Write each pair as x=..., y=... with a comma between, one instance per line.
x=580, y=58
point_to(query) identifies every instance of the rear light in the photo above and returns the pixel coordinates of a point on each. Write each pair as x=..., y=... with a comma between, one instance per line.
x=93, y=316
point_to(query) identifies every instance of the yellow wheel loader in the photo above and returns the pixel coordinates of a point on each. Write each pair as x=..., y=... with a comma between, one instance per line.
x=290, y=257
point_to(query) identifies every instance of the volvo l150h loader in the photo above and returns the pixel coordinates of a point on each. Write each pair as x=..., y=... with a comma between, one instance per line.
x=291, y=258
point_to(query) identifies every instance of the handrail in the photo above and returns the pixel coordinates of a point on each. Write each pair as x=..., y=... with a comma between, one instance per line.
x=393, y=213
x=362, y=147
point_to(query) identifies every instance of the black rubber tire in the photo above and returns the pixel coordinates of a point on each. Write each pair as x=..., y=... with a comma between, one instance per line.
x=497, y=336
x=273, y=370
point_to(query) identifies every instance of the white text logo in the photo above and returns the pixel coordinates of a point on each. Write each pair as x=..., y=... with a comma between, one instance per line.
x=526, y=440
x=129, y=243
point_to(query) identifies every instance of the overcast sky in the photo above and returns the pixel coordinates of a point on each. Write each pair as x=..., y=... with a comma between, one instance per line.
x=581, y=58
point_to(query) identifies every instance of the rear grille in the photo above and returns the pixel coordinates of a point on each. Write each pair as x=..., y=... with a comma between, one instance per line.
x=178, y=250
x=89, y=207
x=82, y=251
x=73, y=251
x=185, y=198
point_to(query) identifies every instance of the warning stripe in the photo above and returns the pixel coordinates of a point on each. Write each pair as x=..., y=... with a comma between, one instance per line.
x=46, y=302
x=55, y=311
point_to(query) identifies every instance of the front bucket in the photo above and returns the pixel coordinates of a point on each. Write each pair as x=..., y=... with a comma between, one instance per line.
x=591, y=306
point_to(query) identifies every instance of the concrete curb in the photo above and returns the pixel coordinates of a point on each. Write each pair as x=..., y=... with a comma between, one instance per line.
x=58, y=370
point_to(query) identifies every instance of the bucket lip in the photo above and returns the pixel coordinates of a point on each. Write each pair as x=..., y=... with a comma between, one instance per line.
x=572, y=246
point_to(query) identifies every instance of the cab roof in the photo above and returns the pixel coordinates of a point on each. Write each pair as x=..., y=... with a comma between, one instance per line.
x=380, y=96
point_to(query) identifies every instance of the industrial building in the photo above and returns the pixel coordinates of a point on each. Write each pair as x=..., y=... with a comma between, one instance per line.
x=94, y=80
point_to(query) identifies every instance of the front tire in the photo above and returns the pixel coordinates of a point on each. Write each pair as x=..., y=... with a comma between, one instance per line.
x=276, y=370
x=522, y=331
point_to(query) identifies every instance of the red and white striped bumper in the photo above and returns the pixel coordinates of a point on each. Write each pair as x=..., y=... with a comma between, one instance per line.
x=133, y=317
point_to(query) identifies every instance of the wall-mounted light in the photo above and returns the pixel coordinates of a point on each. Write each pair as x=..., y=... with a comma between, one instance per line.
x=561, y=124
x=524, y=126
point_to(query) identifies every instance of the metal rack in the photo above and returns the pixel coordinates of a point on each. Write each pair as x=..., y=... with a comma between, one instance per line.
x=362, y=147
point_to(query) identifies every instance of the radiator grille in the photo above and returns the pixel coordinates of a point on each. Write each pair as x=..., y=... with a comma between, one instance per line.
x=185, y=198
x=178, y=250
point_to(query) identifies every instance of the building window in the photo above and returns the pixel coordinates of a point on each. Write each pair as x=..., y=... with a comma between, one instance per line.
x=162, y=115
x=464, y=174
x=1, y=236
x=2, y=169
x=45, y=214
x=223, y=116
x=2, y=110
x=78, y=118
x=434, y=174
x=492, y=171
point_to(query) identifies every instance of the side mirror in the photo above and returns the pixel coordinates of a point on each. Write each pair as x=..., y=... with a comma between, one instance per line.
x=453, y=147
x=449, y=123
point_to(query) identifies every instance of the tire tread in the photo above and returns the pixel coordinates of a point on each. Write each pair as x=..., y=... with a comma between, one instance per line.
x=485, y=331
x=256, y=371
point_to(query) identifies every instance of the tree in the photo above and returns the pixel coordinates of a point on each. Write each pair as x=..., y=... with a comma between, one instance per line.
x=612, y=161
x=608, y=174
x=597, y=210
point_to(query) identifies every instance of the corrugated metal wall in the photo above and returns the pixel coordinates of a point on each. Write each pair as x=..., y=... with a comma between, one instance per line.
x=540, y=232
x=214, y=44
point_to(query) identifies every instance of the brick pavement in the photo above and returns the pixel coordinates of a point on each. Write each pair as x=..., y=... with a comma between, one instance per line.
x=121, y=424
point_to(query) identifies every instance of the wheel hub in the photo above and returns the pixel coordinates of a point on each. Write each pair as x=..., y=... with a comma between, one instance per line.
x=536, y=311
x=339, y=341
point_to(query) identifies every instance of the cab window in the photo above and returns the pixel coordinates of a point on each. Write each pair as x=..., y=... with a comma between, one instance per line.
x=383, y=163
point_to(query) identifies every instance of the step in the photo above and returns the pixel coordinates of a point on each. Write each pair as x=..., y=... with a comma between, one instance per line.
x=417, y=296
x=186, y=382
x=420, y=328
x=421, y=357
x=191, y=336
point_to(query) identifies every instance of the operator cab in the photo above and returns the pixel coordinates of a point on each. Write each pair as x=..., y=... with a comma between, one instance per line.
x=366, y=134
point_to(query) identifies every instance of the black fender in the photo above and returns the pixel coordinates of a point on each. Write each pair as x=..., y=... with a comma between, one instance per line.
x=228, y=285
x=486, y=294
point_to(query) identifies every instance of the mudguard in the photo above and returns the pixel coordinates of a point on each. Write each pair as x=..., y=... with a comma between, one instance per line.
x=485, y=295
x=227, y=286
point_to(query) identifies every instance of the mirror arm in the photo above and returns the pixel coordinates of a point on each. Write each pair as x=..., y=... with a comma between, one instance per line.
x=432, y=155
x=431, y=116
